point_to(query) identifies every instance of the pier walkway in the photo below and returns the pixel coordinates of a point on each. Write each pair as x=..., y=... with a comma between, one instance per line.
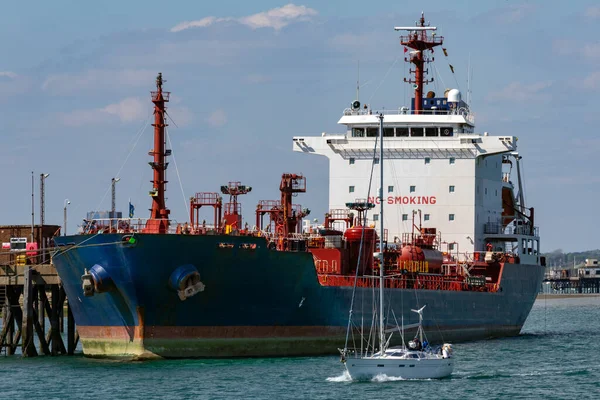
x=573, y=285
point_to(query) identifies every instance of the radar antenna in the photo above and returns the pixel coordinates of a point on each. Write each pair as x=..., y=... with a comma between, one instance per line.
x=418, y=40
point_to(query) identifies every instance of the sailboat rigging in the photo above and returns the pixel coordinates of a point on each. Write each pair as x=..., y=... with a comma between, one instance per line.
x=419, y=360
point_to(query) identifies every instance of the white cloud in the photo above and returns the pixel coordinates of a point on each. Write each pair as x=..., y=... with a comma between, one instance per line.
x=592, y=81
x=127, y=110
x=515, y=13
x=566, y=47
x=593, y=12
x=520, y=93
x=217, y=118
x=8, y=74
x=591, y=50
x=276, y=18
x=95, y=78
x=201, y=23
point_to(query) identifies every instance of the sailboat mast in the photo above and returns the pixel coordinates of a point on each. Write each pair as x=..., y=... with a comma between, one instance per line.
x=381, y=255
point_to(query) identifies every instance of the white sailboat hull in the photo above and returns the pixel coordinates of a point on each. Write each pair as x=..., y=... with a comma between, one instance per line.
x=369, y=368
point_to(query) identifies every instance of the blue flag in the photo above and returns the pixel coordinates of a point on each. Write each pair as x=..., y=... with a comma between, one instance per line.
x=131, y=209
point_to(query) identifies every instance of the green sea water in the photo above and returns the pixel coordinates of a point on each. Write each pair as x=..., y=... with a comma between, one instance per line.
x=557, y=356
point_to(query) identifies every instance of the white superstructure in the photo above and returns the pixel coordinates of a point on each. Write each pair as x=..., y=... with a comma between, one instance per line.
x=437, y=164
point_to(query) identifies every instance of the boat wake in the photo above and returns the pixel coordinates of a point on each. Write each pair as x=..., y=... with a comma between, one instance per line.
x=508, y=375
x=385, y=378
x=345, y=377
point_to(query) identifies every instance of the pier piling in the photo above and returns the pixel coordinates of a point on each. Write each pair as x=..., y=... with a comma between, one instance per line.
x=33, y=293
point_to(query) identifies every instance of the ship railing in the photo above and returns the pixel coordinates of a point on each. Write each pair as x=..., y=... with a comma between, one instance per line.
x=422, y=239
x=468, y=115
x=524, y=229
x=121, y=225
x=408, y=281
x=207, y=227
x=165, y=95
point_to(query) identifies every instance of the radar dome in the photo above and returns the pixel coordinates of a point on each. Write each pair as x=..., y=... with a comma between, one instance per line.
x=454, y=96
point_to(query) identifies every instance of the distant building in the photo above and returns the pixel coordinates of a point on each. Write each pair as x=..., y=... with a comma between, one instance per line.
x=591, y=269
x=18, y=237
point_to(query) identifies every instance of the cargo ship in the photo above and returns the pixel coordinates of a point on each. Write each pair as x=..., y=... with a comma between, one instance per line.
x=459, y=239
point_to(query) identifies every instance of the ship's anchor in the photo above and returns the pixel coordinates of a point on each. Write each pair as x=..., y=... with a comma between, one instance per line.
x=186, y=281
x=87, y=283
x=96, y=280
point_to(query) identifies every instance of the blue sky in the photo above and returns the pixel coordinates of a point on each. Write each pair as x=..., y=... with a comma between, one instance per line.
x=247, y=76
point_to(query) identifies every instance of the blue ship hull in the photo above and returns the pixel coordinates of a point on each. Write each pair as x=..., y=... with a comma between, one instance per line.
x=256, y=301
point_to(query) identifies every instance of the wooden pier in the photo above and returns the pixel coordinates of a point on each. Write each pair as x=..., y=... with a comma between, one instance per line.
x=30, y=294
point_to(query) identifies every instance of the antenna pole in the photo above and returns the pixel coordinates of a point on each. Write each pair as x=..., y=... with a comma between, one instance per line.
x=32, y=212
x=421, y=326
x=381, y=252
x=357, y=80
x=42, y=216
x=469, y=78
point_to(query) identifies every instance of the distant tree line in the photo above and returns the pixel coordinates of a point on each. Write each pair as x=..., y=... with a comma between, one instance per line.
x=558, y=258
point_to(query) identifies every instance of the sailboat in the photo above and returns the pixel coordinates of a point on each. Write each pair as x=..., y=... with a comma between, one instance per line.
x=418, y=360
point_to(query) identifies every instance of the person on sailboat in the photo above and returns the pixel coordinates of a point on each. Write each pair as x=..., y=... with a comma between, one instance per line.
x=447, y=350
x=415, y=344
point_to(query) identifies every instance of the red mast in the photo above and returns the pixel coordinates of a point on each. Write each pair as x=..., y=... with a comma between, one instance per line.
x=159, y=214
x=418, y=40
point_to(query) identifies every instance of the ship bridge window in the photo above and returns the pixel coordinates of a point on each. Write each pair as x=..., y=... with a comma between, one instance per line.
x=358, y=132
x=414, y=132
x=372, y=132
x=431, y=132
x=388, y=132
x=351, y=161
x=401, y=131
x=452, y=160
x=446, y=131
